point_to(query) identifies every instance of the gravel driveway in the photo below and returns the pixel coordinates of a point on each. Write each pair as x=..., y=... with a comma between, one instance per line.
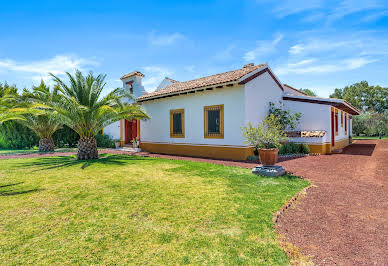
x=344, y=219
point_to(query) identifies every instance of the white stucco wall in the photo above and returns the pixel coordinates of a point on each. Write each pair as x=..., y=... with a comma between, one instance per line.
x=314, y=117
x=259, y=92
x=157, y=129
x=113, y=130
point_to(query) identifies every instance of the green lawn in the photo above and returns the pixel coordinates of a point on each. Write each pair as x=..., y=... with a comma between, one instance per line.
x=125, y=209
x=359, y=137
x=29, y=151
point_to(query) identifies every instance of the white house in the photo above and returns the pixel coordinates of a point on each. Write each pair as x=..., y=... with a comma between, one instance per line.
x=203, y=117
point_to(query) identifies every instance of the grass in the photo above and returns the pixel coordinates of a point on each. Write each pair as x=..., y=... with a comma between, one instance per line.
x=124, y=209
x=31, y=151
x=361, y=137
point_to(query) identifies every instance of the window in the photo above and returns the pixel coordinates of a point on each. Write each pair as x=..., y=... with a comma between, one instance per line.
x=177, y=123
x=214, y=121
x=346, y=124
x=336, y=122
x=342, y=119
x=130, y=85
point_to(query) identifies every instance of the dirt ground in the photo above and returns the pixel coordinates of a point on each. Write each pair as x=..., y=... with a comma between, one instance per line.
x=344, y=219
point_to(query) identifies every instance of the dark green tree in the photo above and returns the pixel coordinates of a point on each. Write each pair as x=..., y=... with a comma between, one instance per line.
x=364, y=96
x=308, y=92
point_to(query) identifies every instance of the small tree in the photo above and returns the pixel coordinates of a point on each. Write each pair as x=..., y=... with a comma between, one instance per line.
x=47, y=122
x=268, y=134
x=82, y=107
x=286, y=119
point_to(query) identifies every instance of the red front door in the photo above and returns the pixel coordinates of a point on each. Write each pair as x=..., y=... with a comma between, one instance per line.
x=130, y=130
x=332, y=128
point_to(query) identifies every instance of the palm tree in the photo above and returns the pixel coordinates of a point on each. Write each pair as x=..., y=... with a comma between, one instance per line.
x=43, y=122
x=8, y=107
x=82, y=107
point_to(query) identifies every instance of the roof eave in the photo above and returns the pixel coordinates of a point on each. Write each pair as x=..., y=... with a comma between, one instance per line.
x=339, y=103
x=176, y=93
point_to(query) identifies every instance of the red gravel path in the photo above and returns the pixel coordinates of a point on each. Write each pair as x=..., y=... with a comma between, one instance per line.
x=344, y=219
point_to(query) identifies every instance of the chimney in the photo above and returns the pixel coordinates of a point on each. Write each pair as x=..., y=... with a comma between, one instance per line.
x=249, y=65
x=133, y=82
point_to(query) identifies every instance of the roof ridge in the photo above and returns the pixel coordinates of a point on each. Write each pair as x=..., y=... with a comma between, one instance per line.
x=210, y=80
x=226, y=72
x=285, y=84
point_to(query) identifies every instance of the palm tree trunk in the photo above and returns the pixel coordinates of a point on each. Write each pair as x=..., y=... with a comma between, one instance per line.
x=46, y=144
x=87, y=148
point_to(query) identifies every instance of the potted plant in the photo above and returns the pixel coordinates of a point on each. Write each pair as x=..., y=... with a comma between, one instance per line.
x=135, y=143
x=267, y=136
x=117, y=143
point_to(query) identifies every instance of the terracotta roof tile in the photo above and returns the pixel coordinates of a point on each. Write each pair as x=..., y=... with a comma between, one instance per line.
x=135, y=73
x=173, y=81
x=212, y=80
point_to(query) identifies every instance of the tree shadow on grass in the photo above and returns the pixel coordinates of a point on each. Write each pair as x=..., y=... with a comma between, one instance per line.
x=46, y=163
x=13, y=193
x=8, y=185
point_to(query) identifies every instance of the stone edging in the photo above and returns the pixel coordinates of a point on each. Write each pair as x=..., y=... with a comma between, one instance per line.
x=290, y=203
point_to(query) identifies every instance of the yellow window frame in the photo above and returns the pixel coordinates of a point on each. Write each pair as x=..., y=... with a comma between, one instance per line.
x=206, y=109
x=177, y=111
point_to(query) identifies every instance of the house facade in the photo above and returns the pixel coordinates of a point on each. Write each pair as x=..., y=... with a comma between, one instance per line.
x=203, y=117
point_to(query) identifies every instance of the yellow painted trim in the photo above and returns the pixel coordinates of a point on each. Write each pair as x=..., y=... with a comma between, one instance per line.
x=341, y=143
x=177, y=111
x=320, y=148
x=206, y=122
x=138, y=129
x=121, y=133
x=217, y=152
x=326, y=148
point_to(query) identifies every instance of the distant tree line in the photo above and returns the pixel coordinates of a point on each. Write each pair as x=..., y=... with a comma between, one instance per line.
x=373, y=103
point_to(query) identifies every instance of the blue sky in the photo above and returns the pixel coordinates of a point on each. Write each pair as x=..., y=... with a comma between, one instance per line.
x=313, y=44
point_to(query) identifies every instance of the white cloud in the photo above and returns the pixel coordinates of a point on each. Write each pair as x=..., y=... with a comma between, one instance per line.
x=290, y=7
x=263, y=48
x=330, y=11
x=348, y=7
x=307, y=66
x=39, y=69
x=319, y=45
x=165, y=39
x=154, y=75
x=375, y=16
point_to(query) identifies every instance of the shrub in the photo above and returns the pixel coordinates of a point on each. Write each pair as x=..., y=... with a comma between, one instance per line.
x=267, y=134
x=292, y=148
x=252, y=158
x=16, y=136
x=304, y=148
x=65, y=137
x=104, y=141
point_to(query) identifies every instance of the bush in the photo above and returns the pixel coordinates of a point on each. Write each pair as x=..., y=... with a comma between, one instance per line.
x=304, y=148
x=16, y=136
x=252, y=158
x=292, y=148
x=104, y=141
x=65, y=138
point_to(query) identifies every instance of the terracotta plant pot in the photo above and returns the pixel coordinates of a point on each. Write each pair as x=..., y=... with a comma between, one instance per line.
x=268, y=156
